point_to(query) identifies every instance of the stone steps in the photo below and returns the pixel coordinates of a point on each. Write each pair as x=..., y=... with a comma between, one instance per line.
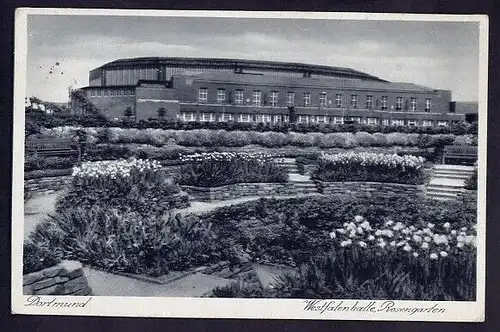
x=448, y=181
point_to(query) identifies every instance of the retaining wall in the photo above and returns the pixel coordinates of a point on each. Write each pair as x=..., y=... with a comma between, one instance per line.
x=238, y=190
x=65, y=278
x=46, y=184
x=369, y=189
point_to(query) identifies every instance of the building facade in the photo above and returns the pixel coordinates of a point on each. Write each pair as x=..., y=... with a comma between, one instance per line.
x=213, y=90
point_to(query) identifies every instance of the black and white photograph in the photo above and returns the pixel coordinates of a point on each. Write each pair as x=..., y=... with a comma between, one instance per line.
x=250, y=165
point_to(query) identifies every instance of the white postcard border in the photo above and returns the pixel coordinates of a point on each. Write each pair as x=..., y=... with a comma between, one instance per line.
x=240, y=308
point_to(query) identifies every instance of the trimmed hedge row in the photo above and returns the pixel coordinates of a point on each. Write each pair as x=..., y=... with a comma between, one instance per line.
x=39, y=119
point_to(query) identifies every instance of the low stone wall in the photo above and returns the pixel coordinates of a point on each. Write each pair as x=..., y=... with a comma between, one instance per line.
x=370, y=189
x=467, y=196
x=65, y=278
x=237, y=190
x=46, y=184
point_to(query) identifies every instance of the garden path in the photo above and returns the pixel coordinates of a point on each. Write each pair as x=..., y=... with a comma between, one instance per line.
x=110, y=284
x=36, y=209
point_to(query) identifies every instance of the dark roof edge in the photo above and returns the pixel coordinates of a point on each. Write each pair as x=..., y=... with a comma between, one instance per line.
x=242, y=62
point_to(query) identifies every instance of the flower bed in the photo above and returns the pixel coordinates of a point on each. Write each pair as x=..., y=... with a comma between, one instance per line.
x=369, y=167
x=135, y=184
x=298, y=233
x=118, y=240
x=223, y=168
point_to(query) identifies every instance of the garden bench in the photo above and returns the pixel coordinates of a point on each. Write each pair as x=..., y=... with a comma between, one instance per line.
x=49, y=147
x=461, y=154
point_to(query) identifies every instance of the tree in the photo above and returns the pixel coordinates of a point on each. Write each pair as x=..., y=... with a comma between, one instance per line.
x=128, y=113
x=162, y=112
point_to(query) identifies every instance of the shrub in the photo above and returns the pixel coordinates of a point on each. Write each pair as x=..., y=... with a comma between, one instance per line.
x=218, y=169
x=369, y=167
x=273, y=140
x=32, y=162
x=471, y=182
x=118, y=240
x=364, y=139
x=304, y=140
x=137, y=185
x=234, y=138
x=36, y=258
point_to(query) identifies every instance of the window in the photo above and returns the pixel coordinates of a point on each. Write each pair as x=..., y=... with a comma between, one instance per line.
x=322, y=99
x=202, y=95
x=428, y=104
x=263, y=118
x=427, y=123
x=290, y=99
x=369, y=101
x=411, y=123
x=277, y=118
x=399, y=103
x=338, y=120
x=356, y=119
x=372, y=121
x=303, y=119
x=245, y=118
x=307, y=99
x=273, y=98
x=385, y=122
x=354, y=101
x=320, y=119
x=383, y=100
x=285, y=118
x=225, y=117
x=221, y=96
x=99, y=93
x=207, y=117
x=256, y=97
x=188, y=116
x=238, y=96
x=338, y=100
x=397, y=122
x=442, y=123
x=413, y=104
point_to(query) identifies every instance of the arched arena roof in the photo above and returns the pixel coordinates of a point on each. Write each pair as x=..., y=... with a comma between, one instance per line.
x=243, y=64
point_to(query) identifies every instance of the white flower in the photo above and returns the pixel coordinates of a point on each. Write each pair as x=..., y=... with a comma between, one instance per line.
x=464, y=229
x=393, y=243
x=417, y=238
x=443, y=253
x=381, y=244
x=407, y=248
x=446, y=225
x=332, y=235
x=460, y=245
x=371, y=238
x=362, y=244
x=427, y=239
x=358, y=218
x=425, y=245
x=415, y=254
x=453, y=232
x=359, y=230
x=433, y=256
x=430, y=225
x=345, y=243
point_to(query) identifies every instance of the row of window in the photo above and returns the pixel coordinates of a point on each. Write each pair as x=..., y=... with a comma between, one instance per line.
x=256, y=100
x=110, y=92
x=301, y=118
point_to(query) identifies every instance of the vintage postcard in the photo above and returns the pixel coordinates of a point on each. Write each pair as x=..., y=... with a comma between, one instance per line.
x=249, y=164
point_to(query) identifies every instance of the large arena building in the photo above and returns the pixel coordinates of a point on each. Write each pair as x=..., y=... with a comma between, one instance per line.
x=202, y=89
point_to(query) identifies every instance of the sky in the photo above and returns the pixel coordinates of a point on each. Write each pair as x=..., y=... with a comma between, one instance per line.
x=442, y=55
